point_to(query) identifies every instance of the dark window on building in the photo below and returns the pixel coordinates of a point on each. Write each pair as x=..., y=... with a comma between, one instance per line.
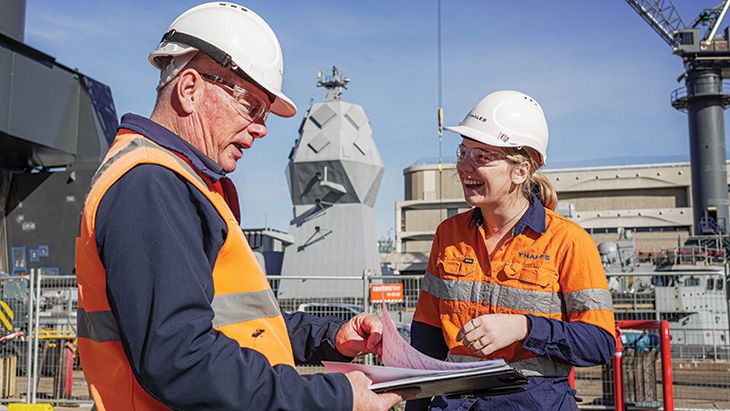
x=692, y=281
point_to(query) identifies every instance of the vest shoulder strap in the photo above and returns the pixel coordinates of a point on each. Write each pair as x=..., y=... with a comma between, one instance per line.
x=128, y=151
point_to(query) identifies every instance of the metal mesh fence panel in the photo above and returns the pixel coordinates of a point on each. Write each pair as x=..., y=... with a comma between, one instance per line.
x=57, y=375
x=695, y=304
x=15, y=346
x=340, y=308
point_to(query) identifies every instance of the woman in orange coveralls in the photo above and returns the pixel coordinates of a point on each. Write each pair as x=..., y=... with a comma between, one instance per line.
x=511, y=278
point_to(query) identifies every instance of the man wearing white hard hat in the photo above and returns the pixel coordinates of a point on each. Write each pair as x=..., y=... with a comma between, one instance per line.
x=174, y=310
x=511, y=278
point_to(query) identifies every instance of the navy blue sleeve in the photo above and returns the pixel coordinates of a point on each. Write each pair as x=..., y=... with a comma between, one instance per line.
x=158, y=238
x=575, y=343
x=313, y=338
x=430, y=341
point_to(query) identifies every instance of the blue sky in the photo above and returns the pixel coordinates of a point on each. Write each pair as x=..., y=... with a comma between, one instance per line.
x=601, y=74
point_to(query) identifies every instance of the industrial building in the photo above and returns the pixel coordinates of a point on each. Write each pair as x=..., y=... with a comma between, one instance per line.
x=654, y=201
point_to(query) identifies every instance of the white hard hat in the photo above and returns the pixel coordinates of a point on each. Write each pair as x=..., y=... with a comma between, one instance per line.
x=507, y=118
x=234, y=37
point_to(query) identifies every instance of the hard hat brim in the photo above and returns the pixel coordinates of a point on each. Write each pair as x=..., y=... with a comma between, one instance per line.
x=176, y=51
x=282, y=105
x=479, y=136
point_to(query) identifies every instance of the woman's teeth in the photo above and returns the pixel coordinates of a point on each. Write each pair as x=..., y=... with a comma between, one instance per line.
x=472, y=183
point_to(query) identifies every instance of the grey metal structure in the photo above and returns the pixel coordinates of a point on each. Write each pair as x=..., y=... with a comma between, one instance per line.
x=334, y=174
x=686, y=289
x=55, y=126
x=706, y=61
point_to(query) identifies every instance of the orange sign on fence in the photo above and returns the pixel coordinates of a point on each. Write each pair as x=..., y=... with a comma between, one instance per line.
x=391, y=293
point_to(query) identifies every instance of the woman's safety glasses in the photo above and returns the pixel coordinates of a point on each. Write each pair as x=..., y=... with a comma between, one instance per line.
x=479, y=157
x=255, y=107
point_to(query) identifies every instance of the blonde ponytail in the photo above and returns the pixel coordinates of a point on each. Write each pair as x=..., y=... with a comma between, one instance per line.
x=540, y=186
x=536, y=183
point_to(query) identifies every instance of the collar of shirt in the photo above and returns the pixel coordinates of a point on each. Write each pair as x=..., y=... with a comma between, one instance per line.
x=172, y=141
x=534, y=218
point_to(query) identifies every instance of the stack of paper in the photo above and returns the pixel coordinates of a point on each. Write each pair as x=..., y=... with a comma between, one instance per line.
x=406, y=367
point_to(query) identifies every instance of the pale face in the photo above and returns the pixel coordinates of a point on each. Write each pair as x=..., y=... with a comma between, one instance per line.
x=488, y=185
x=230, y=129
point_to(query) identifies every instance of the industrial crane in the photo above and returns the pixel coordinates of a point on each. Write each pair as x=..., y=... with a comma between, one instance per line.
x=706, y=63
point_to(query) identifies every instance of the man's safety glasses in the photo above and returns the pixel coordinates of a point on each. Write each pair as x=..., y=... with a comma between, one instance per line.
x=479, y=157
x=254, y=105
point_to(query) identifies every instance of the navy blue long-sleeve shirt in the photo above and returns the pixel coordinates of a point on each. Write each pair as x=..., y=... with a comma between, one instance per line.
x=574, y=343
x=158, y=238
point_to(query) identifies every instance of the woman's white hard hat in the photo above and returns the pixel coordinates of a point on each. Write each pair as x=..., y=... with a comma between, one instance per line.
x=233, y=36
x=507, y=118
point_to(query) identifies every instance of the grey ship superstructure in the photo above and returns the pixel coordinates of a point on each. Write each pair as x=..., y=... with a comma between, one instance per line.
x=334, y=174
x=685, y=286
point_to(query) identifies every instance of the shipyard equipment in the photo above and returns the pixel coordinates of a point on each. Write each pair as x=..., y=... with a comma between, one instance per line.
x=704, y=52
x=334, y=173
x=56, y=124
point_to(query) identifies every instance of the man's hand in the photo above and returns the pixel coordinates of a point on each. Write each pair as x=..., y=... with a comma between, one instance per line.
x=365, y=400
x=490, y=332
x=360, y=335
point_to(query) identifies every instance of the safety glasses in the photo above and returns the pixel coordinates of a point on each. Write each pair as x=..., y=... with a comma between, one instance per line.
x=256, y=108
x=478, y=156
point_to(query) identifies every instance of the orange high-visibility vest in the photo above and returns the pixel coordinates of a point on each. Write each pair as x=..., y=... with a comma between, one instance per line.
x=243, y=302
x=556, y=274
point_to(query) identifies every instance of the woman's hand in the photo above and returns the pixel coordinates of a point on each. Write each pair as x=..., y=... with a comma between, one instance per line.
x=490, y=332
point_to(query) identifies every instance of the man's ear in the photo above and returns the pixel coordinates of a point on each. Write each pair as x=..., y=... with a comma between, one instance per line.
x=520, y=172
x=189, y=90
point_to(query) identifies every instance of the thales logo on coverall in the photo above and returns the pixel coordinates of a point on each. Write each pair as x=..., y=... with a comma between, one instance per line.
x=534, y=256
x=478, y=117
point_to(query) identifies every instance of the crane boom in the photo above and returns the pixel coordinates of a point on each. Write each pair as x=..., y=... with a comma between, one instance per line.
x=717, y=22
x=661, y=15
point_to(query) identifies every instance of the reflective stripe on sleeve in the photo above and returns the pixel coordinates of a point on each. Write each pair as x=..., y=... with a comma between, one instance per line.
x=532, y=367
x=542, y=367
x=99, y=326
x=239, y=307
x=589, y=299
x=495, y=295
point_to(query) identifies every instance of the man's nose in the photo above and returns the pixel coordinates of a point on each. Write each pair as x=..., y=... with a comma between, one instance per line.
x=256, y=130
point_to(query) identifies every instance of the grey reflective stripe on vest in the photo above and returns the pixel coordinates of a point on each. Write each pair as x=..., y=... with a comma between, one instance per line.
x=533, y=367
x=99, y=326
x=113, y=159
x=239, y=307
x=136, y=143
x=589, y=299
x=495, y=295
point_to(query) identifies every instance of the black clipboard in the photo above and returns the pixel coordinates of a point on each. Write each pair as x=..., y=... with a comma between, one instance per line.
x=479, y=382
